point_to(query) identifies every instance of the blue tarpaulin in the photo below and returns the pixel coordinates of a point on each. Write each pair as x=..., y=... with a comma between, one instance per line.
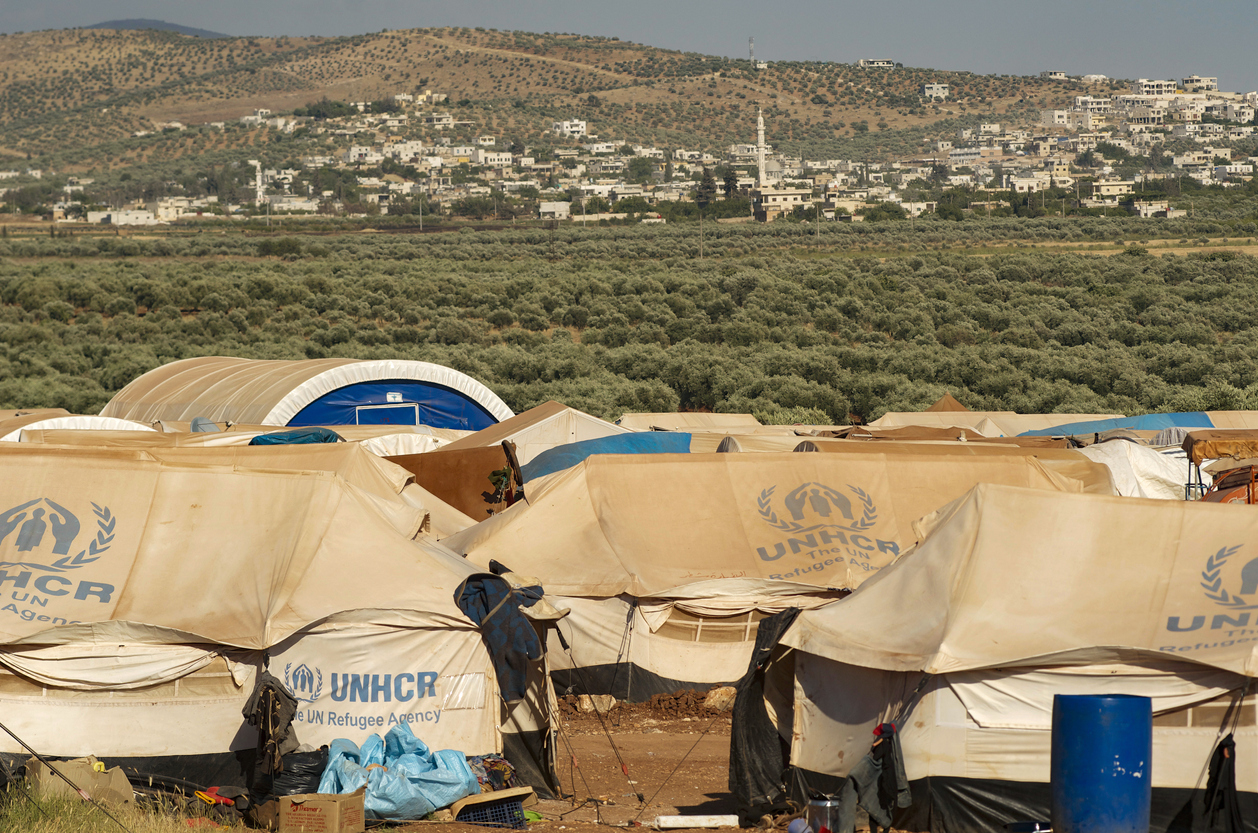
x=566, y=456
x=1146, y=422
x=407, y=781
x=302, y=436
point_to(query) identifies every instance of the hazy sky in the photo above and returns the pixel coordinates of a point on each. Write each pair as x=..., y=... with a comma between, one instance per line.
x=1118, y=38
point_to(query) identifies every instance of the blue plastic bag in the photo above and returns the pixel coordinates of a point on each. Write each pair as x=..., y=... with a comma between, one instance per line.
x=411, y=782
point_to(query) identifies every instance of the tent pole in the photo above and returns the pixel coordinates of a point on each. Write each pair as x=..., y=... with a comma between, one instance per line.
x=83, y=793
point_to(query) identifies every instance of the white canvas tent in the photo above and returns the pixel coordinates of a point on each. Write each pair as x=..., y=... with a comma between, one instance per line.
x=1015, y=595
x=144, y=589
x=667, y=561
x=539, y=429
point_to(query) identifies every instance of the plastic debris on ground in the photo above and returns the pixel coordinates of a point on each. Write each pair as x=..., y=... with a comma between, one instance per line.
x=404, y=779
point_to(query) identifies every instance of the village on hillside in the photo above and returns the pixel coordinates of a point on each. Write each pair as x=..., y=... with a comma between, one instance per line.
x=408, y=155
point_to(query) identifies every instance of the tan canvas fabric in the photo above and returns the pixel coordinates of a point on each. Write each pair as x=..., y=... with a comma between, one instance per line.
x=215, y=553
x=539, y=429
x=947, y=402
x=459, y=477
x=645, y=524
x=1233, y=419
x=987, y=423
x=1095, y=477
x=1212, y=444
x=224, y=389
x=688, y=422
x=1008, y=576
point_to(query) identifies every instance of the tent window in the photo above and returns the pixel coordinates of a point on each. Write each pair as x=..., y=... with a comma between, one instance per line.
x=213, y=682
x=688, y=627
x=465, y=691
x=1210, y=715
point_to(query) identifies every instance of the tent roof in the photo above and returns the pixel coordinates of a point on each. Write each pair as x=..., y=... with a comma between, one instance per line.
x=11, y=429
x=987, y=423
x=224, y=389
x=642, y=442
x=1090, y=579
x=646, y=524
x=528, y=428
x=687, y=421
x=1213, y=444
x=196, y=545
x=947, y=402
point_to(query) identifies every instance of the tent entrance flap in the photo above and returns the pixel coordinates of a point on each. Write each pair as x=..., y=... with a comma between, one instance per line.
x=403, y=414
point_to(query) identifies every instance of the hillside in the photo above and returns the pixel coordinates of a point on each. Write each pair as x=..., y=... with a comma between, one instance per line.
x=160, y=25
x=72, y=99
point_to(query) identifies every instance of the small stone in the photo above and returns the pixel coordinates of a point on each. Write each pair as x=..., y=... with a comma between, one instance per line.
x=720, y=699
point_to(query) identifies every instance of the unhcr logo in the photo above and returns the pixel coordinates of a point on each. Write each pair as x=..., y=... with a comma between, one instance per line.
x=303, y=683
x=1229, y=584
x=35, y=524
x=37, y=537
x=816, y=515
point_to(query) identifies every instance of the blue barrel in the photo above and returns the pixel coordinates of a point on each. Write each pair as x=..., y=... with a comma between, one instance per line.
x=1102, y=763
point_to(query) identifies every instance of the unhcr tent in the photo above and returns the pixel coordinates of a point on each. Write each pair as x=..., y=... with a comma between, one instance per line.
x=667, y=561
x=540, y=429
x=144, y=591
x=353, y=461
x=314, y=392
x=1015, y=595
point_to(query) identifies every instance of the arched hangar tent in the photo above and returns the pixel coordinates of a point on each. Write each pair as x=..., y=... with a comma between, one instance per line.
x=147, y=589
x=667, y=561
x=314, y=392
x=965, y=640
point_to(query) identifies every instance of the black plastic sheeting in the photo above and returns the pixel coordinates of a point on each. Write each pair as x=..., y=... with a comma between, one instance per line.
x=186, y=772
x=624, y=681
x=965, y=805
x=758, y=756
x=529, y=753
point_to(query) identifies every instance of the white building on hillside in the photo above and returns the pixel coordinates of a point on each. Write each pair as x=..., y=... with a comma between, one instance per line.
x=572, y=129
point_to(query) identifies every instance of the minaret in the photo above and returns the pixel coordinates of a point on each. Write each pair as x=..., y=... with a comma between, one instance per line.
x=760, y=147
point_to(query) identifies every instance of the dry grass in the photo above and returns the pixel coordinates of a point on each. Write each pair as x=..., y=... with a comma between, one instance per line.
x=19, y=813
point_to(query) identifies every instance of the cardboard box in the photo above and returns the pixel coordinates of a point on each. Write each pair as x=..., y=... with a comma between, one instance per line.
x=318, y=813
x=87, y=774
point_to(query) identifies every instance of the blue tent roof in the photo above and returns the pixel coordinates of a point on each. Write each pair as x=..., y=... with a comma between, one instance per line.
x=566, y=456
x=1146, y=422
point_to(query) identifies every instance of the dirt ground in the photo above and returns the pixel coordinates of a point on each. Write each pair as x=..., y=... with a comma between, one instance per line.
x=676, y=753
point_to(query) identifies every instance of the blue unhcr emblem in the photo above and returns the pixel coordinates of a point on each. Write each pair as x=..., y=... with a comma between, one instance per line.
x=34, y=524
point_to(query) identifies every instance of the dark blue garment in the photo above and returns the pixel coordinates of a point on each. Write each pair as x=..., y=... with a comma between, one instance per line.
x=494, y=605
x=423, y=403
x=302, y=436
x=566, y=456
x=1147, y=422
